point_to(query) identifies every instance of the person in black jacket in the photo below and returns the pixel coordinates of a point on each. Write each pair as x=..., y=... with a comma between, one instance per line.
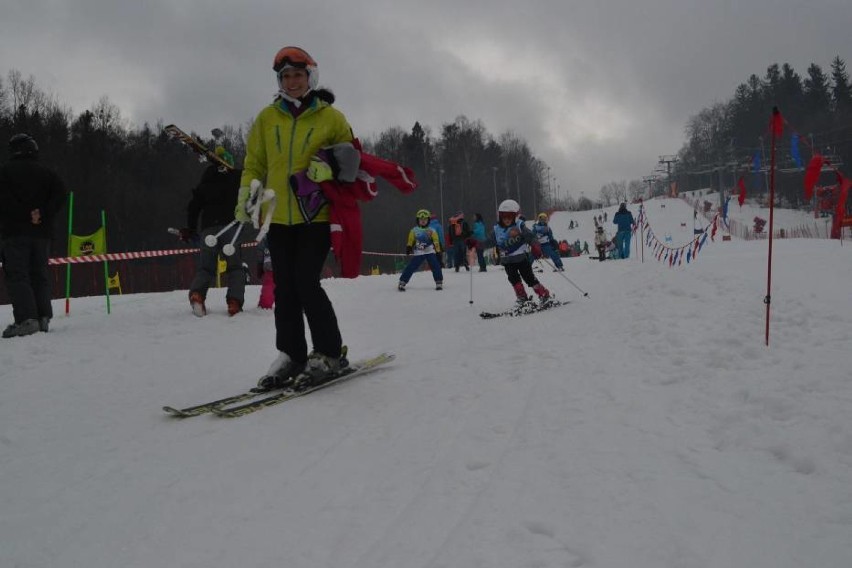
x=30, y=197
x=213, y=201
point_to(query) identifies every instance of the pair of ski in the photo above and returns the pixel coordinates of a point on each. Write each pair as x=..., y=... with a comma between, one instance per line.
x=205, y=154
x=524, y=309
x=259, y=400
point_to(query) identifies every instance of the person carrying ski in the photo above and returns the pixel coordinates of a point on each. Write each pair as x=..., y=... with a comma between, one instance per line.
x=423, y=244
x=458, y=233
x=212, y=207
x=284, y=138
x=623, y=218
x=31, y=196
x=515, y=243
x=548, y=243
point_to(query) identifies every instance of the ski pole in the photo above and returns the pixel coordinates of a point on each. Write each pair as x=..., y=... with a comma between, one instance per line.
x=562, y=274
x=470, y=266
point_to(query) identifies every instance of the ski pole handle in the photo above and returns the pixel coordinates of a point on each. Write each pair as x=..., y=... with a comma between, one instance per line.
x=211, y=240
x=229, y=248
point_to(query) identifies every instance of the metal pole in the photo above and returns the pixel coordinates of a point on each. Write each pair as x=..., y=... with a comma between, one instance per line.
x=517, y=184
x=441, y=191
x=494, y=171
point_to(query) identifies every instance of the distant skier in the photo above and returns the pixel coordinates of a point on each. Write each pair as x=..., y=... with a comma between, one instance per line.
x=458, y=232
x=479, y=237
x=601, y=242
x=423, y=244
x=548, y=243
x=514, y=243
x=623, y=218
x=435, y=224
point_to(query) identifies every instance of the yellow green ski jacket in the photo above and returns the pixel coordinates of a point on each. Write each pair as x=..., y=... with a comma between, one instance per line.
x=280, y=145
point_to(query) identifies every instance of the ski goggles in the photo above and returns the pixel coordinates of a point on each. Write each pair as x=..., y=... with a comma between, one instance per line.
x=292, y=57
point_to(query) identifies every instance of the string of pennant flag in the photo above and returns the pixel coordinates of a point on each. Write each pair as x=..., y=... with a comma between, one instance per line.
x=675, y=255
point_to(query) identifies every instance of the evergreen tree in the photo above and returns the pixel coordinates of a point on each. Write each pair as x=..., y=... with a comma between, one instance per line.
x=841, y=91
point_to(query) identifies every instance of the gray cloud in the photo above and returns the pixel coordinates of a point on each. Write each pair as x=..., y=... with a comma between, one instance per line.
x=598, y=90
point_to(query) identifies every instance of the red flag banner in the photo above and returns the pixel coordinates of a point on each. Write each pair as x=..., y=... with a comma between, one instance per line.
x=741, y=185
x=843, y=195
x=812, y=175
x=777, y=123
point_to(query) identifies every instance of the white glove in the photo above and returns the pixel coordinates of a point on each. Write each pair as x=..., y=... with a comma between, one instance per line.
x=240, y=213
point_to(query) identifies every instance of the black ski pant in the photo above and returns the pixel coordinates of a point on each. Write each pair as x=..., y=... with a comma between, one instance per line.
x=28, y=277
x=205, y=275
x=517, y=270
x=298, y=253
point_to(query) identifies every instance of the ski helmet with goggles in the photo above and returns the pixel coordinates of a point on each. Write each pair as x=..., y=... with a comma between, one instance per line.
x=509, y=206
x=298, y=58
x=423, y=214
x=542, y=217
x=22, y=145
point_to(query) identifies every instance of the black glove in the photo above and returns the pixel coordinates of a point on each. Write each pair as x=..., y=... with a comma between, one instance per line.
x=408, y=251
x=186, y=235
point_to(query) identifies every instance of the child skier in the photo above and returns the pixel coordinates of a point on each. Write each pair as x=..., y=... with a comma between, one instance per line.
x=544, y=234
x=601, y=242
x=514, y=243
x=424, y=244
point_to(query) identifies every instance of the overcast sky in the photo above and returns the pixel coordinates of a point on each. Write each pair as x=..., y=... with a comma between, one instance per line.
x=599, y=90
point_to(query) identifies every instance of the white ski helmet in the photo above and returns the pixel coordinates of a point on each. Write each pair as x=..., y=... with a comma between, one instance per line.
x=509, y=206
x=297, y=57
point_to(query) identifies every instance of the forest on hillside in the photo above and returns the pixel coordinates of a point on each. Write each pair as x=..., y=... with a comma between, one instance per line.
x=142, y=179
x=730, y=139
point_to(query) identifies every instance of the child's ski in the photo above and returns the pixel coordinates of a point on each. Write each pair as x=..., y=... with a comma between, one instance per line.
x=523, y=310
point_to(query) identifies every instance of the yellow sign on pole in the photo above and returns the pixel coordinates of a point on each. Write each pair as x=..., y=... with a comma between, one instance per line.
x=114, y=282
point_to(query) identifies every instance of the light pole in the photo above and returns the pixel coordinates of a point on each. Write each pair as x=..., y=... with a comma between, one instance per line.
x=553, y=191
x=494, y=171
x=441, y=192
x=518, y=183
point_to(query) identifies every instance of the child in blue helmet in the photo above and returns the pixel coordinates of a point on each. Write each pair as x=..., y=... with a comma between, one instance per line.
x=544, y=234
x=423, y=244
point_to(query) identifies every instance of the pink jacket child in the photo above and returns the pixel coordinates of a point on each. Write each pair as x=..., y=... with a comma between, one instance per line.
x=359, y=172
x=267, y=280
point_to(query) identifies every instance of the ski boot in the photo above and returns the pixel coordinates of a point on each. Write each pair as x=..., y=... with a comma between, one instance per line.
x=196, y=302
x=234, y=306
x=26, y=327
x=281, y=374
x=320, y=368
x=545, y=298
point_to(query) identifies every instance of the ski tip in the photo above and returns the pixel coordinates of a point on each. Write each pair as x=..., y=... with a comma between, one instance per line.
x=171, y=411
